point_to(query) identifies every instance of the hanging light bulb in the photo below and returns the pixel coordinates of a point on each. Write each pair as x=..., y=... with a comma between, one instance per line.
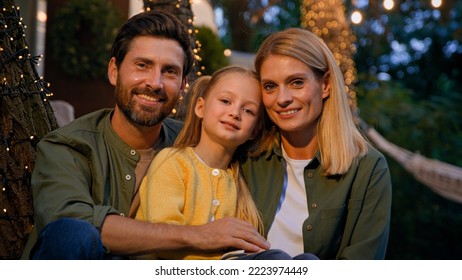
x=356, y=17
x=436, y=3
x=388, y=4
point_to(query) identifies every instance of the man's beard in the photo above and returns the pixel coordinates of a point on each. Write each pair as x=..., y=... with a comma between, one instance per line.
x=144, y=115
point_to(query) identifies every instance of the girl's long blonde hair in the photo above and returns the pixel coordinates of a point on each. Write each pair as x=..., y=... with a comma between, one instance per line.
x=339, y=139
x=191, y=133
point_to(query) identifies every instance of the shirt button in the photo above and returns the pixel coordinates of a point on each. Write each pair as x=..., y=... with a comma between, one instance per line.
x=128, y=177
x=133, y=152
x=314, y=205
x=309, y=227
x=215, y=172
x=310, y=175
x=216, y=202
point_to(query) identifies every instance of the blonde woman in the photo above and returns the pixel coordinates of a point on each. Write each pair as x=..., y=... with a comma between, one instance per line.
x=320, y=186
x=198, y=180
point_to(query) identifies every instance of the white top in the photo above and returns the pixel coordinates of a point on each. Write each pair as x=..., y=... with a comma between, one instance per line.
x=286, y=231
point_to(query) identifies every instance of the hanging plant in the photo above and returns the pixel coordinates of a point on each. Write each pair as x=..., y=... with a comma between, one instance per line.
x=81, y=36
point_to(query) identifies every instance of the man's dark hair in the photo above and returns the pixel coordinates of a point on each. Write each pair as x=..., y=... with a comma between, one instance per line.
x=153, y=23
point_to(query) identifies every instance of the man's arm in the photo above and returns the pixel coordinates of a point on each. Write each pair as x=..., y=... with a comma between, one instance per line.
x=61, y=183
x=126, y=236
x=61, y=179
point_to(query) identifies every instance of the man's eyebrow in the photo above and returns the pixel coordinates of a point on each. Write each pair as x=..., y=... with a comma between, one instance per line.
x=143, y=59
x=151, y=62
x=173, y=65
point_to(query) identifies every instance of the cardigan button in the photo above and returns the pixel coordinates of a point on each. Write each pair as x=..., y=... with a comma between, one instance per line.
x=314, y=205
x=215, y=172
x=133, y=152
x=128, y=177
x=310, y=175
x=309, y=227
x=216, y=202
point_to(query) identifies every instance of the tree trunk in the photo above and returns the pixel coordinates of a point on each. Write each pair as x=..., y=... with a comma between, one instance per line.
x=26, y=116
x=182, y=10
x=327, y=20
x=241, y=33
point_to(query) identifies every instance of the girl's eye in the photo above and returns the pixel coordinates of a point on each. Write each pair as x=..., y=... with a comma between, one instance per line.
x=225, y=101
x=248, y=111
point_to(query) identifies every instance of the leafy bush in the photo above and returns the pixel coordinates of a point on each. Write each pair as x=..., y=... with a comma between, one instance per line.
x=424, y=224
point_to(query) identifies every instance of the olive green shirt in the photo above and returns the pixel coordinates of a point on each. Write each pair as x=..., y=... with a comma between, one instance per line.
x=349, y=215
x=85, y=170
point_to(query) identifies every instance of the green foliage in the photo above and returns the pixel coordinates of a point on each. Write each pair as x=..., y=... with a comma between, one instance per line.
x=212, y=51
x=433, y=127
x=414, y=43
x=259, y=17
x=424, y=224
x=282, y=15
x=81, y=35
x=419, y=110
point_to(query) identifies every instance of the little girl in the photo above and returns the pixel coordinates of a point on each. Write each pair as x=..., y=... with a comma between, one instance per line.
x=198, y=179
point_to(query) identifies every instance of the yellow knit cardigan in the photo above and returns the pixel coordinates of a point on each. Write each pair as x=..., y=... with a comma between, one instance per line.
x=181, y=189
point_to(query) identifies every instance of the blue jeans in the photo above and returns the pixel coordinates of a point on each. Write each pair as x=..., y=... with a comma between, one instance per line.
x=276, y=254
x=73, y=239
x=68, y=239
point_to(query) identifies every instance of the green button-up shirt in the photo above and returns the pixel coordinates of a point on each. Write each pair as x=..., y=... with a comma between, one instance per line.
x=85, y=170
x=349, y=215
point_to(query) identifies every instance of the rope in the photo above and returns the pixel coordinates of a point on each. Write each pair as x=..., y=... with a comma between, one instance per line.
x=441, y=177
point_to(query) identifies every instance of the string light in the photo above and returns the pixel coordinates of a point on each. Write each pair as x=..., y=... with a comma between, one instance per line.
x=388, y=4
x=22, y=126
x=356, y=17
x=185, y=7
x=436, y=3
x=41, y=87
x=325, y=19
x=181, y=4
x=21, y=56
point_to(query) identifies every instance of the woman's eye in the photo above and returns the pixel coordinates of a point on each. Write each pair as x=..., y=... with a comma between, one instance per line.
x=298, y=83
x=268, y=87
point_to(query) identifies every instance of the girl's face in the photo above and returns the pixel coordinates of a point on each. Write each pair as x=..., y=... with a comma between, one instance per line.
x=292, y=95
x=231, y=110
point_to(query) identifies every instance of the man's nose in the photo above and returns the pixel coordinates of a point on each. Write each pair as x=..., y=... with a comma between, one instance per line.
x=154, y=79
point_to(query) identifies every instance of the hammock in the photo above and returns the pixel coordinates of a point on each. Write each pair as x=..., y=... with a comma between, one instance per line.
x=442, y=178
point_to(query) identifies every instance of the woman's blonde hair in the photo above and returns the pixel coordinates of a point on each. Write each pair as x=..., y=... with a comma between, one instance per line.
x=339, y=139
x=191, y=133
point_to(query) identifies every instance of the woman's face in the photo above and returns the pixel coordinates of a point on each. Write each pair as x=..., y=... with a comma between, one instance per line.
x=292, y=94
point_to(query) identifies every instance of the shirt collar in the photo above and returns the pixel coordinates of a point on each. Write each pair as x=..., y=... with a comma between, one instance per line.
x=277, y=150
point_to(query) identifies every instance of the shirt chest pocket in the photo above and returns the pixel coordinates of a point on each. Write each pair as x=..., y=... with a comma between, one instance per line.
x=331, y=228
